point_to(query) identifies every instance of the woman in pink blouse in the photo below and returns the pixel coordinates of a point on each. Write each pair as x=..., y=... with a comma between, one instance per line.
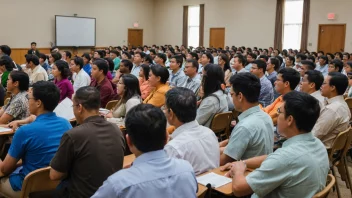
x=143, y=81
x=60, y=72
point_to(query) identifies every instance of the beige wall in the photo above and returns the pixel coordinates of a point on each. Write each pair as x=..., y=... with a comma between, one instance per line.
x=241, y=19
x=25, y=21
x=318, y=15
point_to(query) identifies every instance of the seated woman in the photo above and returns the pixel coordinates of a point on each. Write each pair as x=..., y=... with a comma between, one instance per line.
x=158, y=77
x=214, y=100
x=6, y=66
x=224, y=63
x=17, y=108
x=143, y=81
x=128, y=90
x=60, y=72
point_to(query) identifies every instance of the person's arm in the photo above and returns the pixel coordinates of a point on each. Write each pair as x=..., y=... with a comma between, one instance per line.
x=56, y=175
x=240, y=187
x=132, y=103
x=16, y=123
x=8, y=165
x=237, y=145
x=5, y=118
x=206, y=110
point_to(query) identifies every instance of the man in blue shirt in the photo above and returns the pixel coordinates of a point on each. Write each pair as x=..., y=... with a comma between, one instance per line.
x=153, y=173
x=35, y=143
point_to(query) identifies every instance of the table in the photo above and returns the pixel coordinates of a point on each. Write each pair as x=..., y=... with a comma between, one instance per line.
x=225, y=189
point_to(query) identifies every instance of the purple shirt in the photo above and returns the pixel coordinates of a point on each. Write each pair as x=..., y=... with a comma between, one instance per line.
x=109, y=76
x=66, y=88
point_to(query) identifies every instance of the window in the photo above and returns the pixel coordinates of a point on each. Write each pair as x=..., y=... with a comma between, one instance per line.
x=293, y=18
x=193, y=26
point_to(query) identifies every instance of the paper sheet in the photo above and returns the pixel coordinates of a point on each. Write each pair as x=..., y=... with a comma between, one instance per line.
x=214, y=179
x=64, y=109
x=3, y=129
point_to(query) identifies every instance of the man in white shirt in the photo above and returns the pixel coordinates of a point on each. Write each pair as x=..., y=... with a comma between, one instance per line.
x=190, y=141
x=335, y=116
x=38, y=73
x=311, y=83
x=81, y=78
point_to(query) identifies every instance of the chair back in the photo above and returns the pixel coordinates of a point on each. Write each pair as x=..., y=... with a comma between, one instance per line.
x=335, y=153
x=348, y=142
x=349, y=103
x=330, y=182
x=235, y=115
x=7, y=100
x=221, y=122
x=37, y=181
x=111, y=104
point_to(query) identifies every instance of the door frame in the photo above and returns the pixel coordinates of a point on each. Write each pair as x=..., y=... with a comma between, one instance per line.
x=334, y=24
x=128, y=35
x=217, y=28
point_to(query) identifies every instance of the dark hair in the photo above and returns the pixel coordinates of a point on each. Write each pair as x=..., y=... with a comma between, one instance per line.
x=304, y=108
x=43, y=56
x=253, y=55
x=310, y=64
x=209, y=56
x=48, y=93
x=339, y=54
x=152, y=51
x=183, y=103
x=290, y=75
x=33, y=43
x=275, y=62
x=78, y=61
x=115, y=52
x=340, y=81
x=331, y=55
x=301, y=56
x=110, y=63
x=291, y=59
x=264, y=56
x=160, y=71
x=260, y=64
x=127, y=63
x=337, y=63
x=212, y=79
x=148, y=58
x=32, y=58
x=162, y=56
x=194, y=55
x=56, y=56
x=315, y=77
x=142, y=54
x=88, y=97
x=131, y=87
x=22, y=78
x=241, y=59
x=248, y=84
x=225, y=58
x=194, y=63
x=63, y=67
x=146, y=127
x=127, y=54
x=86, y=55
x=101, y=53
x=102, y=65
x=68, y=54
x=324, y=58
x=5, y=49
x=7, y=62
x=311, y=58
x=179, y=59
x=346, y=54
x=146, y=70
x=322, y=52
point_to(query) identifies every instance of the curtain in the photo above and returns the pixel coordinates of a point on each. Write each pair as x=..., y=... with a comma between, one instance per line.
x=305, y=24
x=280, y=6
x=201, y=25
x=185, y=26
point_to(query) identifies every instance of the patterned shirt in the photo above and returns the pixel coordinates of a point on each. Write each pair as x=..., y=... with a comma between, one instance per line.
x=18, y=106
x=192, y=83
x=178, y=79
x=266, y=96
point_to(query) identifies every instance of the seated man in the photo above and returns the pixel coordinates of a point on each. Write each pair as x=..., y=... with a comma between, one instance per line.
x=190, y=141
x=37, y=71
x=193, y=80
x=335, y=116
x=177, y=76
x=311, y=84
x=254, y=133
x=35, y=143
x=106, y=88
x=153, y=173
x=124, y=68
x=89, y=153
x=299, y=168
x=287, y=80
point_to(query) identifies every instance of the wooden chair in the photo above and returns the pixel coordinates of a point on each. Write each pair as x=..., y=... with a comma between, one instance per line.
x=342, y=167
x=349, y=104
x=111, y=104
x=221, y=122
x=235, y=115
x=7, y=100
x=37, y=181
x=330, y=182
x=336, y=153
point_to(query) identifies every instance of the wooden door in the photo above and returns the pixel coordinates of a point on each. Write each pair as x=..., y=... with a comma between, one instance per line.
x=135, y=37
x=331, y=37
x=217, y=37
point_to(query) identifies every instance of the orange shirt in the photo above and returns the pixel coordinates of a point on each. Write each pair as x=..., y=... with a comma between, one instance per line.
x=145, y=88
x=157, y=96
x=272, y=109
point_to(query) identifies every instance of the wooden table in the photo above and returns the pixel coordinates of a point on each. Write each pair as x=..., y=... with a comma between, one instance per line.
x=225, y=189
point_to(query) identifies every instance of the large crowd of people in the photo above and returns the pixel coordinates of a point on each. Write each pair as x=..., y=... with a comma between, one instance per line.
x=291, y=107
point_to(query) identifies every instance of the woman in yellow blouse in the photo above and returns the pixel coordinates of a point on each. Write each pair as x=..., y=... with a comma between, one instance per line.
x=158, y=77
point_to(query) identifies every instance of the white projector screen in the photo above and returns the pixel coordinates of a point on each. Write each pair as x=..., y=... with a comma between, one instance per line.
x=74, y=31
